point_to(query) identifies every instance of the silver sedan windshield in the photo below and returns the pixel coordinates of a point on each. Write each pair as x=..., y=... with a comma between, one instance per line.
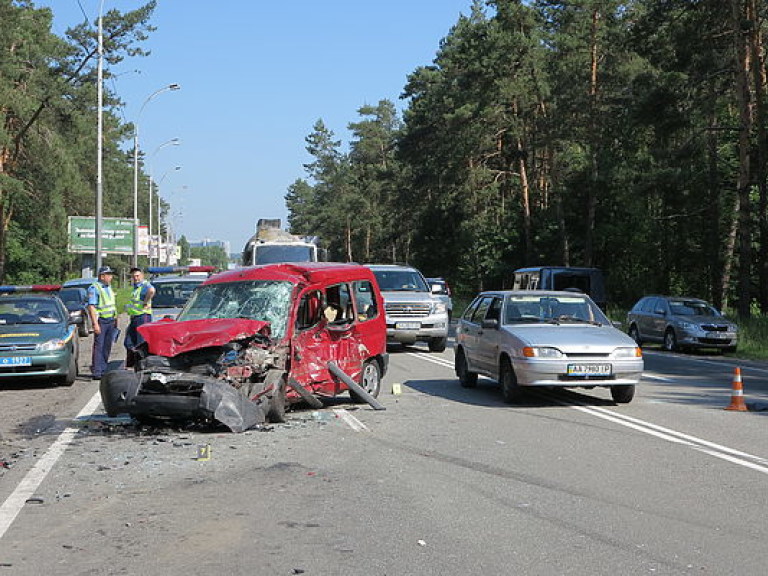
x=551, y=309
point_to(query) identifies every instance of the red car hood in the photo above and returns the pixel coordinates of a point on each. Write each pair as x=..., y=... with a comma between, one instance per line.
x=172, y=338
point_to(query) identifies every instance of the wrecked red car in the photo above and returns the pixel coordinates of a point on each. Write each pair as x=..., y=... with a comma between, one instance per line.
x=252, y=341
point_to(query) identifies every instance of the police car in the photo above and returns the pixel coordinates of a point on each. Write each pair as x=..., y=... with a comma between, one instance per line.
x=173, y=287
x=38, y=335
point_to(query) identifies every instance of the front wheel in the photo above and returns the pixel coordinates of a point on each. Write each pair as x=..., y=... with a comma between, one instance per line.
x=370, y=380
x=510, y=389
x=634, y=333
x=466, y=378
x=437, y=344
x=670, y=341
x=623, y=394
x=72, y=371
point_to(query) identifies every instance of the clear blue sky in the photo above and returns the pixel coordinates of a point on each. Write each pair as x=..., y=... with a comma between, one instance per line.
x=255, y=75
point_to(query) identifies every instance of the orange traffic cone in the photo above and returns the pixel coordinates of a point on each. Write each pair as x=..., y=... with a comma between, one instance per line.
x=737, y=393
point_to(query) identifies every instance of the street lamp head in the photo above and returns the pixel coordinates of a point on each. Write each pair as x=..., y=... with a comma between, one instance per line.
x=174, y=86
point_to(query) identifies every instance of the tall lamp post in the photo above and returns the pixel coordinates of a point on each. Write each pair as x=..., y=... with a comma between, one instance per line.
x=159, y=221
x=99, y=130
x=135, y=260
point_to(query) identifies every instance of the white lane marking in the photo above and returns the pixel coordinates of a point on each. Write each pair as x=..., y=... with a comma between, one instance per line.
x=26, y=488
x=652, y=376
x=428, y=358
x=638, y=427
x=688, y=437
x=732, y=363
x=350, y=420
x=717, y=450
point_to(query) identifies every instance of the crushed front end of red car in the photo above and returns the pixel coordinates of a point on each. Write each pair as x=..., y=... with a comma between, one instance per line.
x=253, y=341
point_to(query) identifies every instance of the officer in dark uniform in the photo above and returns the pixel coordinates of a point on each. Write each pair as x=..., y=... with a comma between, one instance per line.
x=103, y=313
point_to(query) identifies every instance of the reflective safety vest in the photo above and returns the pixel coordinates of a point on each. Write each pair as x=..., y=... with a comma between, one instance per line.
x=135, y=306
x=106, y=307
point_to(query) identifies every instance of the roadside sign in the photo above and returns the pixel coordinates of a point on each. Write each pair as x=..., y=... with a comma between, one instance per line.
x=116, y=235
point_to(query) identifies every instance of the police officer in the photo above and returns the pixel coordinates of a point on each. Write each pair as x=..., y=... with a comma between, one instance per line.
x=139, y=311
x=103, y=313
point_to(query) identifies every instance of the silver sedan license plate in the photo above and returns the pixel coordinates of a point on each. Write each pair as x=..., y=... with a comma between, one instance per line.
x=589, y=369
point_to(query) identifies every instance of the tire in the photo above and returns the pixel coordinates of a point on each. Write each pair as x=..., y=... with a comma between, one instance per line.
x=623, y=394
x=82, y=329
x=438, y=344
x=72, y=372
x=634, y=333
x=466, y=378
x=118, y=389
x=276, y=402
x=670, y=341
x=510, y=389
x=370, y=380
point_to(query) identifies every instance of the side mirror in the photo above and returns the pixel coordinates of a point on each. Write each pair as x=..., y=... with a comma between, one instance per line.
x=436, y=289
x=76, y=318
x=490, y=323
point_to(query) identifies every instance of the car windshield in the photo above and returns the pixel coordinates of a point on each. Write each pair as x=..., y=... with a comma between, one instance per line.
x=30, y=311
x=552, y=309
x=400, y=281
x=73, y=297
x=274, y=254
x=692, y=308
x=174, y=294
x=265, y=300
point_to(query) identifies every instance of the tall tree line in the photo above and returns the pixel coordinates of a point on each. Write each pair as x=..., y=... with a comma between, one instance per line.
x=47, y=134
x=627, y=135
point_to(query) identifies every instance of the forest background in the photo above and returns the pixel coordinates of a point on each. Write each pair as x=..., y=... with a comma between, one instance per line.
x=627, y=135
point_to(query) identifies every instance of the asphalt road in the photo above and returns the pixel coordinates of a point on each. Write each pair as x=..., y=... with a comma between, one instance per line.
x=445, y=481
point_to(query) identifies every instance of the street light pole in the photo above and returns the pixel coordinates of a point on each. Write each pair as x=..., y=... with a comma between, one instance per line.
x=135, y=260
x=99, y=152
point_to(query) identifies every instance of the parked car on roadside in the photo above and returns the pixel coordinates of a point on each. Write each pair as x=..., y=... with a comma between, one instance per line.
x=251, y=341
x=38, y=336
x=680, y=323
x=442, y=291
x=414, y=311
x=174, y=285
x=76, y=301
x=539, y=338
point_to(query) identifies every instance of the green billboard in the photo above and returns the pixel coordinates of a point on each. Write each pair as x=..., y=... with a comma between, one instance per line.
x=116, y=235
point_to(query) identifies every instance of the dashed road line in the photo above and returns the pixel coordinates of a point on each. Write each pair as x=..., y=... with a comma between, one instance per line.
x=350, y=420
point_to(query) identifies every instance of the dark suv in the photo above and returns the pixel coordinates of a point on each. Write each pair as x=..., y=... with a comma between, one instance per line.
x=678, y=323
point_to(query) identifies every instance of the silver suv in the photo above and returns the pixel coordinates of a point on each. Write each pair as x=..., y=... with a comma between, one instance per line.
x=680, y=323
x=414, y=313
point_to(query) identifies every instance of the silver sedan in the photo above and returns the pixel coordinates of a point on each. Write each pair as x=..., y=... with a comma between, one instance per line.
x=551, y=339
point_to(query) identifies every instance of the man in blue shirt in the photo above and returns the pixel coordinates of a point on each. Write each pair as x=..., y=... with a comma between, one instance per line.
x=139, y=310
x=103, y=313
